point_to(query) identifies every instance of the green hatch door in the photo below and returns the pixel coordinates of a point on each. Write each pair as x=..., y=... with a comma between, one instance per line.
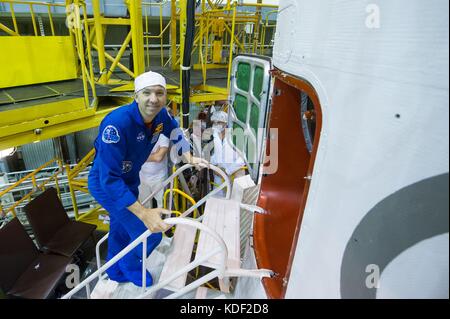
x=250, y=84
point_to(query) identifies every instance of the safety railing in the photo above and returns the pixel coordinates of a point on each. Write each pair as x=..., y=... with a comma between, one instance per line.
x=133, y=40
x=80, y=184
x=142, y=239
x=44, y=11
x=42, y=18
x=162, y=30
x=264, y=27
x=220, y=272
x=185, y=198
x=38, y=182
x=239, y=172
x=77, y=22
x=170, y=181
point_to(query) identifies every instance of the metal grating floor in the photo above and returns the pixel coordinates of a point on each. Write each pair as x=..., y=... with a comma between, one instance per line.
x=30, y=95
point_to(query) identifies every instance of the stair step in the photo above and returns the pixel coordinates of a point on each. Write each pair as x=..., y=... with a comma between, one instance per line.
x=206, y=293
x=179, y=256
x=104, y=289
x=222, y=216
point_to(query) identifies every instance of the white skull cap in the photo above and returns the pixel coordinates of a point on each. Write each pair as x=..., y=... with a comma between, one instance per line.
x=148, y=79
x=219, y=116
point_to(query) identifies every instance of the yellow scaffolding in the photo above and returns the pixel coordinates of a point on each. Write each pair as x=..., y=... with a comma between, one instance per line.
x=36, y=186
x=81, y=184
x=224, y=28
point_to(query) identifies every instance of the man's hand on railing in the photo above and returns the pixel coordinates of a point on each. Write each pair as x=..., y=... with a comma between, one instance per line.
x=198, y=162
x=151, y=217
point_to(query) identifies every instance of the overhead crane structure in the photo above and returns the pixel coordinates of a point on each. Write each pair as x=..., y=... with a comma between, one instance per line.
x=58, y=80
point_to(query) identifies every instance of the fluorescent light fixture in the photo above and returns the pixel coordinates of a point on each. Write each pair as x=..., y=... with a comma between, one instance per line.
x=7, y=152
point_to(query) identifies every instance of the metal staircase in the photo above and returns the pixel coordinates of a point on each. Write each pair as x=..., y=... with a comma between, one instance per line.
x=218, y=248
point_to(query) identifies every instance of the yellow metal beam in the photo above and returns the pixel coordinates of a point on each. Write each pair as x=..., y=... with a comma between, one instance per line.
x=41, y=111
x=92, y=217
x=33, y=19
x=197, y=98
x=129, y=87
x=13, y=15
x=34, y=3
x=208, y=97
x=161, y=29
x=118, y=56
x=111, y=58
x=230, y=31
x=8, y=30
x=137, y=41
x=50, y=18
x=114, y=21
x=30, y=175
x=42, y=123
x=81, y=165
x=210, y=66
x=230, y=59
x=173, y=34
x=258, y=5
x=212, y=89
x=100, y=41
x=56, y=130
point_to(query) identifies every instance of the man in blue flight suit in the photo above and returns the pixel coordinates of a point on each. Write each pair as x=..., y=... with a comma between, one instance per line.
x=126, y=138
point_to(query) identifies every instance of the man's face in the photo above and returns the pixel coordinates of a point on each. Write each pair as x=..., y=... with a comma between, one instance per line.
x=150, y=101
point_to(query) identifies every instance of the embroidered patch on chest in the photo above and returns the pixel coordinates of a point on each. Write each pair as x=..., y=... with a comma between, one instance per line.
x=159, y=128
x=127, y=166
x=154, y=138
x=110, y=135
x=140, y=137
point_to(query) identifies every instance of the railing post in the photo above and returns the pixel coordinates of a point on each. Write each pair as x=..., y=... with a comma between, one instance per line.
x=100, y=41
x=33, y=181
x=72, y=193
x=230, y=58
x=50, y=18
x=173, y=33
x=137, y=39
x=33, y=19
x=13, y=16
x=161, y=31
x=147, y=36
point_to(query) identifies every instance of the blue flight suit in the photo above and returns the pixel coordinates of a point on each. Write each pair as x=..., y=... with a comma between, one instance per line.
x=122, y=146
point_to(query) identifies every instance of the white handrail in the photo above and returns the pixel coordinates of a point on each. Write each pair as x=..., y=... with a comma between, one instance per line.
x=252, y=208
x=111, y=262
x=222, y=248
x=257, y=273
x=220, y=272
x=193, y=285
x=141, y=239
x=97, y=250
x=170, y=179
